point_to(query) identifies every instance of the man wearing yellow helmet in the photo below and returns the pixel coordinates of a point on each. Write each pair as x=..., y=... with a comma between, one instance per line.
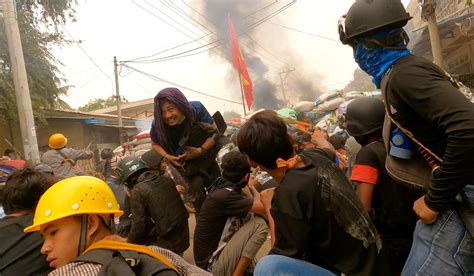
x=62, y=159
x=75, y=217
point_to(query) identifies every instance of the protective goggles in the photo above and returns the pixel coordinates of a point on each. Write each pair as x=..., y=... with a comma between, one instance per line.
x=390, y=42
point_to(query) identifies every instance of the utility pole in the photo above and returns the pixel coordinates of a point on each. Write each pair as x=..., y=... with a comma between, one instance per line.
x=282, y=83
x=428, y=13
x=20, y=82
x=117, y=96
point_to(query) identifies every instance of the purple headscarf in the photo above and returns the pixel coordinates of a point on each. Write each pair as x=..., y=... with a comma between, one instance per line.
x=176, y=97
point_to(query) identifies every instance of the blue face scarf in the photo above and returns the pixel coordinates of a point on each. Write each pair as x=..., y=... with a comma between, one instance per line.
x=377, y=61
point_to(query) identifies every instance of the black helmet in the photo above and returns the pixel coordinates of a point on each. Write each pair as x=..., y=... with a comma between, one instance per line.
x=366, y=17
x=106, y=153
x=364, y=116
x=129, y=166
x=152, y=159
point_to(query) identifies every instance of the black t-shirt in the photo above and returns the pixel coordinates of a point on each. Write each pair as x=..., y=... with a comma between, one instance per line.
x=158, y=213
x=19, y=251
x=423, y=100
x=319, y=218
x=223, y=202
x=392, y=202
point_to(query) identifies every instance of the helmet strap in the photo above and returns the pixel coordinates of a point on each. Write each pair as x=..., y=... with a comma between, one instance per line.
x=82, y=239
x=111, y=224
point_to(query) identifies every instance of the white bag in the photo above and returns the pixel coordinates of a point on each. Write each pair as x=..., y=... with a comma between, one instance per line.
x=331, y=105
x=304, y=106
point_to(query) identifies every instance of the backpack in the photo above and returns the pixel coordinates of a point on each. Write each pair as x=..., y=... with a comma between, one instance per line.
x=120, y=258
x=416, y=172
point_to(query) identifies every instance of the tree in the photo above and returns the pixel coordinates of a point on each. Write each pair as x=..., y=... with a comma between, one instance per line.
x=231, y=114
x=101, y=103
x=38, y=21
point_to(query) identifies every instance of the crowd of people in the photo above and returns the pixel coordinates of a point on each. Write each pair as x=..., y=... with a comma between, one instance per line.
x=399, y=203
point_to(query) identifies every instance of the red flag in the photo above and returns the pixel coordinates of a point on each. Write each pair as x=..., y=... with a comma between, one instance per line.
x=239, y=64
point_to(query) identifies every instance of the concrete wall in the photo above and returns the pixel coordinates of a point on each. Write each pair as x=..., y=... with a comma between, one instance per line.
x=72, y=129
x=100, y=134
x=78, y=133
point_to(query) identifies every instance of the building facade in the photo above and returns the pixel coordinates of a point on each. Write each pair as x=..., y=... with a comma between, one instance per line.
x=456, y=29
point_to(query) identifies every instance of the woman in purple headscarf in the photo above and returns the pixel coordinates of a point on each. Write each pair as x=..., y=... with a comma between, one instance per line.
x=176, y=124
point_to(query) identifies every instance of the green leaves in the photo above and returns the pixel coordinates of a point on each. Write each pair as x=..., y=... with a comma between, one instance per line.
x=38, y=22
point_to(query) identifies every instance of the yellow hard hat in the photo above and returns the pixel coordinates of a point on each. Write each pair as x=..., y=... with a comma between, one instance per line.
x=74, y=196
x=57, y=141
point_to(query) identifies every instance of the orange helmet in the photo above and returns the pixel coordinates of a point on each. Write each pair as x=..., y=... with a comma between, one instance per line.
x=57, y=141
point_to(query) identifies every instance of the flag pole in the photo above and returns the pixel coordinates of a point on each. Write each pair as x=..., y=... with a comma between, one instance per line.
x=242, y=93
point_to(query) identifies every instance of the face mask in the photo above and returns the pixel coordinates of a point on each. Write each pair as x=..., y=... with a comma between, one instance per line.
x=376, y=60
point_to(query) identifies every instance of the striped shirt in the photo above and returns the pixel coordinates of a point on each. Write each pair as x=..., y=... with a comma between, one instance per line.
x=91, y=269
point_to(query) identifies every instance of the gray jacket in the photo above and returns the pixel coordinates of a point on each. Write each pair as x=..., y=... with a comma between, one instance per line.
x=62, y=168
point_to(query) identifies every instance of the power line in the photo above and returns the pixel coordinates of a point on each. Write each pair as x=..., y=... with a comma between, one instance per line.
x=166, y=50
x=85, y=70
x=183, y=12
x=255, y=24
x=303, y=32
x=244, y=44
x=88, y=81
x=261, y=9
x=159, y=18
x=196, y=11
x=179, y=54
x=219, y=41
x=172, y=19
x=90, y=58
x=273, y=58
x=268, y=51
x=153, y=77
x=168, y=57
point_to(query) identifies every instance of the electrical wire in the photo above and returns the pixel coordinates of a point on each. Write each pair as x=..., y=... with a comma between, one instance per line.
x=261, y=9
x=196, y=11
x=166, y=50
x=277, y=12
x=268, y=51
x=84, y=51
x=246, y=45
x=90, y=58
x=185, y=15
x=172, y=19
x=156, y=78
x=303, y=32
x=88, y=81
x=265, y=6
x=168, y=57
x=219, y=41
x=159, y=18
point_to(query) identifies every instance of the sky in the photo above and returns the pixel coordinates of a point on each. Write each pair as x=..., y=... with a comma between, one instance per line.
x=302, y=37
